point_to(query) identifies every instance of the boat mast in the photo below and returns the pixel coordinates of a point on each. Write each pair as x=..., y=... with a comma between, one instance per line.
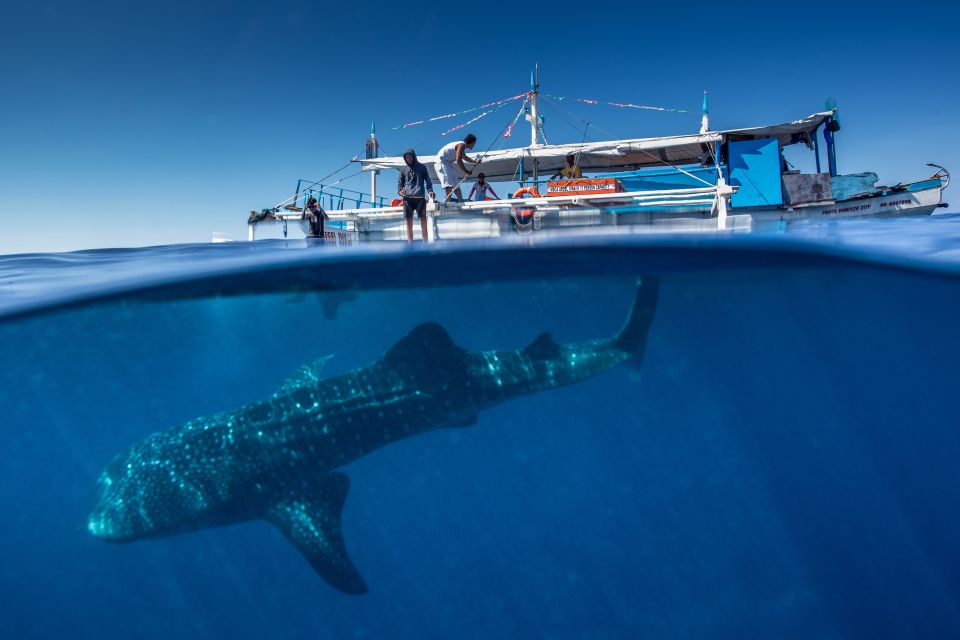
x=723, y=191
x=705, y=115
x=372, y=153
x=534, y=116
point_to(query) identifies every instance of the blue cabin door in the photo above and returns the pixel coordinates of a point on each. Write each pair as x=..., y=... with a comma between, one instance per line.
x=755, y=169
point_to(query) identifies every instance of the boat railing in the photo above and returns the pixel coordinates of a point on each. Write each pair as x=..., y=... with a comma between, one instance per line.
x=333, y=197
x=716, y=197
x=671, y=197
x=695, y=196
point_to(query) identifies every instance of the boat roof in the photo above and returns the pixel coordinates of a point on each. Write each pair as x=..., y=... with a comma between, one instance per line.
x=613, y=155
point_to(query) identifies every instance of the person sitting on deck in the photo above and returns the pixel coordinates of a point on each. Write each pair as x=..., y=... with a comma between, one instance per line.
x=316, y=216
x=571, y=171
x=451, y=155
x=481, y=189
x=414, y=185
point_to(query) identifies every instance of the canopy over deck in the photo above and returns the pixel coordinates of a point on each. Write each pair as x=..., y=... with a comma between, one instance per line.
x=614, y=155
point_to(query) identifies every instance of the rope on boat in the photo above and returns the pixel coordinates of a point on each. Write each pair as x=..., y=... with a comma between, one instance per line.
x=558, y=108
x=293, y=198
x=547, y=104
x=352, y=175
x=676, y=168
x=588, y=124
x=576, y=158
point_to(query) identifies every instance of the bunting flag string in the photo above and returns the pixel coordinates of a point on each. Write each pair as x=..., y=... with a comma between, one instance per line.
x=460, y=113
x=630, y=106
x=516, y=118
x=501, y=103
x=624, y=105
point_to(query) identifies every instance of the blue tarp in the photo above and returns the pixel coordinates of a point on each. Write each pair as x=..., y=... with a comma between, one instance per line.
x=666, y=178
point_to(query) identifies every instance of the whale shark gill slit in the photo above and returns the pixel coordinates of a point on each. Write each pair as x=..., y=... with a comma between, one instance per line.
x=277, y=458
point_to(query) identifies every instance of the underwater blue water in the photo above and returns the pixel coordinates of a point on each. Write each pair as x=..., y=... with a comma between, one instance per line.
x=783, y=465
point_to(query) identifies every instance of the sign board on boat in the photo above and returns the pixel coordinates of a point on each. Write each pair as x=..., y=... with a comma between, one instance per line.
x=340, y=237
x=583, y=186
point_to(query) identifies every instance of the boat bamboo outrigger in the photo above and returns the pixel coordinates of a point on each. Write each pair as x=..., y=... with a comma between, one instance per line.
x=711, y=179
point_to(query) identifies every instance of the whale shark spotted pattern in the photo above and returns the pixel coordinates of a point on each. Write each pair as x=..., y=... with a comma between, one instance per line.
x=276, y=459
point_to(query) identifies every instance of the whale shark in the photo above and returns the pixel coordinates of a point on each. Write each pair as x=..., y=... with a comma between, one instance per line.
x=277, y=459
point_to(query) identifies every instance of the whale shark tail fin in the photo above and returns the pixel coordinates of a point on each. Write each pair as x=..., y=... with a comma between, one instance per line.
x=633, y=336
x=311, y=521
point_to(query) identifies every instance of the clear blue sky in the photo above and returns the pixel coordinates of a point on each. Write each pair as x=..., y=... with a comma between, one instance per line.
x=126, y=125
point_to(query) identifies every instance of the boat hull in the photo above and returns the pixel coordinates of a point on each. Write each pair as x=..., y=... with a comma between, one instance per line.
x=453, y=224
x=921, y=201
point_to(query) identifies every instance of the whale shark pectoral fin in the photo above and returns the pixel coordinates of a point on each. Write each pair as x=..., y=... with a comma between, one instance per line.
x=542, y=348
x=306, y=375
x=312, y=524
x=633, y=336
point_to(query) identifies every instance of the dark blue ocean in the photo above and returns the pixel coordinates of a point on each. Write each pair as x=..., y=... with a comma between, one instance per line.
x=783, y=465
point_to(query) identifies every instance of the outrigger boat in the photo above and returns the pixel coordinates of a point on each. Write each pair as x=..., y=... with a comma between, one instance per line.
x=730, y=179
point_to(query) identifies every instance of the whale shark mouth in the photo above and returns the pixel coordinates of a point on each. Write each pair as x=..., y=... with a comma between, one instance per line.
x=102, y=522
x=105, y=523
x=103, y=529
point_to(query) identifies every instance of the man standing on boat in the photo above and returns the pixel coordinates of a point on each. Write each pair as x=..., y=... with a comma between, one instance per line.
x=451, y=155
x=414, y=185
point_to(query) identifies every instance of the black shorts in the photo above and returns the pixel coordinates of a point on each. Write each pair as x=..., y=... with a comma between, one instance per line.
x=411, y=205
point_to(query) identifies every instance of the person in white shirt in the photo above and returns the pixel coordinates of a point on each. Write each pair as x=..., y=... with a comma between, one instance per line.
x=482, y=188
x=454, y=155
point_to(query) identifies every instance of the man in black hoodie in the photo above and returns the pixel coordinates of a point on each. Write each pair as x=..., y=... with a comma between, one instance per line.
x=414, y=185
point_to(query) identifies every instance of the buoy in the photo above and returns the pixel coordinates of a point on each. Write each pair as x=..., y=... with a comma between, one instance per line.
x=524, y=192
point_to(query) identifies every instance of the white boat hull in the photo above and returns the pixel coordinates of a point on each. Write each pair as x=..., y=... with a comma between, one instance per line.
x=913, y=203
x=361, y=225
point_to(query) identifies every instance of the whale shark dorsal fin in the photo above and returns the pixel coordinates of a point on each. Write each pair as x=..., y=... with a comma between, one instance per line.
x=312, y=523
x=543, y=347
x=306, y=375
x=428, y=347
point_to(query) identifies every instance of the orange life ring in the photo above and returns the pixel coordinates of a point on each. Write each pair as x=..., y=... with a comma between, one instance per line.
x=396, y=202
x=526, y=191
